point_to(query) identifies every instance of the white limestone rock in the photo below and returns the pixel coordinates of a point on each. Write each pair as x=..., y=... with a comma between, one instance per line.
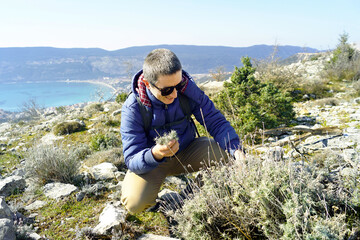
x=155, y=237
x=58, y=190
x=10, y=184
x=104, y=171
x=110, y=217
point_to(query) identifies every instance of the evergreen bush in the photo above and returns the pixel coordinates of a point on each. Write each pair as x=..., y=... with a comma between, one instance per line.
x=104, y=141
x=121, y=97
x=252, y=104
x=67, y=128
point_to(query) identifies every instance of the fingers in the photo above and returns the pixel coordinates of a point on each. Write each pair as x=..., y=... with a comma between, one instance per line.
x=174, y=147
x=168, y=150
x=171, y=143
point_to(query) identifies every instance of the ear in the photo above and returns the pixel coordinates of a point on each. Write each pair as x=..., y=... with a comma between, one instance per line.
x=147, y=84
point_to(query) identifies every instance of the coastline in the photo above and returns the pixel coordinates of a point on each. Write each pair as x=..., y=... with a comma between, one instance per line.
x=90, y=81
x=8, y=107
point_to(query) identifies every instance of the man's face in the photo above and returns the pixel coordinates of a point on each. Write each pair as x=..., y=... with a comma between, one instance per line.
x=166, y=81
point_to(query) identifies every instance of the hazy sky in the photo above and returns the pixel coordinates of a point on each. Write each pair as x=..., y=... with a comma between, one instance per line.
x=115, y=24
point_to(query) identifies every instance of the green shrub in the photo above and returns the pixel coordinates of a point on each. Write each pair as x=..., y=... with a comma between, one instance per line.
x=94, y=108
x=345, y=62
x=324, y=102
x=113, y=155
x=50, y=163
x=82, y=151
x=61, y=109
x=319, y=88
x=104, y=141
x=8, y=162
x=111, y=122
x=67, y=128
x=121, y=97
x=253, y=104
x=252, y=199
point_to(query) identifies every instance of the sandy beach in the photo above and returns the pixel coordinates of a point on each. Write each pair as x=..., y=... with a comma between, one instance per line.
x=92, y=82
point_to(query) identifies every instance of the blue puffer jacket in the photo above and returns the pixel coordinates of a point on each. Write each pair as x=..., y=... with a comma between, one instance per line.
x=137, y=144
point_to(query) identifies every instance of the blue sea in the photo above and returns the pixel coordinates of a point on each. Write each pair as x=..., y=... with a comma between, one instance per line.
x=50, y=94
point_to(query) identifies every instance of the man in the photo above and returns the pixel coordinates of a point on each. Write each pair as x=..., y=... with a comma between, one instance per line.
x=157, y=88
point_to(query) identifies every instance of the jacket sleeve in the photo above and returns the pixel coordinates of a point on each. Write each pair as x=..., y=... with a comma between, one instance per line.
x=136, y=149
x=216, y=124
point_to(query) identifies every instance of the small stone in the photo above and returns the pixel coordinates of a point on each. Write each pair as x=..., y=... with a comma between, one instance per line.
x=110, y=217
x=58, y=190
x=104, y=171
x=10, y=184
x=35, y=205
x=155, y=237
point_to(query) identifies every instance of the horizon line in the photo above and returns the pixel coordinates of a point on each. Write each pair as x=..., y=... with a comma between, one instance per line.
x=165, y=44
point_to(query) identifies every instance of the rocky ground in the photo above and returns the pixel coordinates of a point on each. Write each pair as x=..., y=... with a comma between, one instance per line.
x=320, y=126
x=92, y=209
x=22, y=208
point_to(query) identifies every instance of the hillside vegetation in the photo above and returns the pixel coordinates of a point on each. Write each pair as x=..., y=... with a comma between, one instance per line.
x=62, y=168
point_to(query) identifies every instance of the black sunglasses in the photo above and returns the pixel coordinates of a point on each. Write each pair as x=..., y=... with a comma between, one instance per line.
x=168, y=90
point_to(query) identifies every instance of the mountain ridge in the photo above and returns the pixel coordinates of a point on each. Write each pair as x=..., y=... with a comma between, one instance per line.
x=50, y=63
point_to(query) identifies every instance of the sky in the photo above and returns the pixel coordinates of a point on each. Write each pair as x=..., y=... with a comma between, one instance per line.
x=117, y=24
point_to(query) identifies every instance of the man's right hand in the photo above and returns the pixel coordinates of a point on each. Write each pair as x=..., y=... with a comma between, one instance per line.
x=161, y=151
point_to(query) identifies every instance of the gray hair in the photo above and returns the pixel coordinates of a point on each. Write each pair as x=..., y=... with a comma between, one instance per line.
x=160, y=62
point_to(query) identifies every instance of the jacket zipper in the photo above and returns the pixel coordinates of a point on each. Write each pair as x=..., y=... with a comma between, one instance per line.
x=166, y=114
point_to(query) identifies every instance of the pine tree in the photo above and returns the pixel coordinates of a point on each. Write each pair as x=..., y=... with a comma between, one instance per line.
x=253, y=104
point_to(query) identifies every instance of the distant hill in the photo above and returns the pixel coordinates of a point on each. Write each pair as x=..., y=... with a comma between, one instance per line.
x=48, y=64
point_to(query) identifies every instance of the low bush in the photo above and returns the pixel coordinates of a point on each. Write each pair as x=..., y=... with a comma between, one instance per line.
x=356, y=87
x=68, y=128
x=112, y=122
x=251, y=104
x=318, y=88
x=252, y=199
x=113, y=155
x=345, y=62
x=50, y=163
x=324, y=102
x=82, y=151
x=285, y=78
x=8, y=162
x=93, y=108
x=104, y=141
x=121, y=97
x=32, y=108
x=61, y=109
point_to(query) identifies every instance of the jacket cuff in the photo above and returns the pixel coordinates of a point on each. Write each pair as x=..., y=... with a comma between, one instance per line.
x=150, y=160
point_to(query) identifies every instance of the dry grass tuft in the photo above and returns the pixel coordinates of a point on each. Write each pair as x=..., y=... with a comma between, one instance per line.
x=51, y=163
